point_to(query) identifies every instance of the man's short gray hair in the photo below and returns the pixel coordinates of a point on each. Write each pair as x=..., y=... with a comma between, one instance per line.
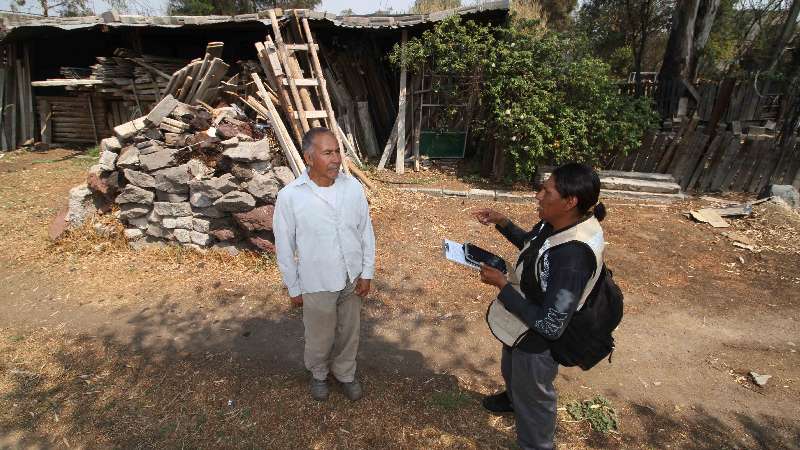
x=307, y=146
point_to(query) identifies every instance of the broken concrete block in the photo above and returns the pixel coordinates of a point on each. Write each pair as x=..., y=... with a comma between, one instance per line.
x=140, y=179
x=161, y=110
x=172, y=209
x=148, y=147
x=58, y=225
x=174, y=180
x=258, y=219
x=175, y=139
x=261, y=244
x=263, y=187
x=162, y=196
x=224, y=234
x=198, y=169
x=139, y=222
x=235, y=201
x=81, y=205
x=183, y=236
x=210, y=212
x=261, y=167
x=129, y=211
x=129, y=129
x=156, y=230
x=241, y=171
x=128, y=158
x=133, y=233
x=200, y=238
x=283, y=174
x=157, y=160
x=134, y=194
x=184, y=222
x=104, y=183
x=201, y=225
x=110, y=144
x=225, y=183
x=108, y=161
x=249, y=151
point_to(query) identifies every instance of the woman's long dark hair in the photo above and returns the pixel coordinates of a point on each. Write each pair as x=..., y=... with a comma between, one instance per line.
x=583, y=183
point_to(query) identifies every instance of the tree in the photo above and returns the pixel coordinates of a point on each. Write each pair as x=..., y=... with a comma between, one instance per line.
x=429, y=6
x=622, y=31
x=553, y=13
x=232, y=7
x=787, y=31
x=67, y=8
x=686, y=42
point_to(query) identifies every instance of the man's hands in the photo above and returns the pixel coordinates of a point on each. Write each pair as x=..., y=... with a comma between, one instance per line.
x=486, y=216
x=362, y=287
x=361, y=290
x=492, y=276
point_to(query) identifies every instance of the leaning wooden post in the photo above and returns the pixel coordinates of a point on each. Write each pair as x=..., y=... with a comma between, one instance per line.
x=399, y=165
x=323, y=89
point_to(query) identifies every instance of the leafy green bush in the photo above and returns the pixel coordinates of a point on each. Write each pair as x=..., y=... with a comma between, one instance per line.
x=545, y=99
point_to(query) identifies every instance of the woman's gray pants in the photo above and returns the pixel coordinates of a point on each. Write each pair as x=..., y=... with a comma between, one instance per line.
x=529, y=382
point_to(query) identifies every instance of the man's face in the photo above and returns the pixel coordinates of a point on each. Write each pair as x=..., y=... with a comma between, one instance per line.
x=324, y=161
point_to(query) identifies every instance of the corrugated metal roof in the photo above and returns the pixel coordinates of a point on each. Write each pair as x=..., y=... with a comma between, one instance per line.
x=11, y=21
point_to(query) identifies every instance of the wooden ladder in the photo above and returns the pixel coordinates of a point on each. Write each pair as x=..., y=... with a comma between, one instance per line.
x=294, y=91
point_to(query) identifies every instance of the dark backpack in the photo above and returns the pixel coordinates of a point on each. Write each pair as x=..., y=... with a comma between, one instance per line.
x=587, y=338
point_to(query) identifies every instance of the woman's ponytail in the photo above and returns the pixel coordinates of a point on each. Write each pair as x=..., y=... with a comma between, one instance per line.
x=599, y=211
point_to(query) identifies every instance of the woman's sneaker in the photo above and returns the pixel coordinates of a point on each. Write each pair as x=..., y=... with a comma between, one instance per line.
x=498, y=403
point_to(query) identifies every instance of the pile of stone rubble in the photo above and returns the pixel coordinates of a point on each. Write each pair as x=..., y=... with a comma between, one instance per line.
x=190, y=175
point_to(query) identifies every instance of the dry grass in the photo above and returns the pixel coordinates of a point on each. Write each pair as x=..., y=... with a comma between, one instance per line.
x=78, y=391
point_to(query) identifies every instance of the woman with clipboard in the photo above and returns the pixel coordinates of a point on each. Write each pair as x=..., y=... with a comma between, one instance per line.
x=559, y=263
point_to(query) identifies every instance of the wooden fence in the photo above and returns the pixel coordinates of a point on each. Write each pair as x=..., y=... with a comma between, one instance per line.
x=718, y=162
x=741, y=100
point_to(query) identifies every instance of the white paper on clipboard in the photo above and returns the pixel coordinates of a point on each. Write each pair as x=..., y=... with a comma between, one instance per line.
x=454, y=251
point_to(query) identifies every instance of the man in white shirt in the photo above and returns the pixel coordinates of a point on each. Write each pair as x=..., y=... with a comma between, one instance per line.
x=326, y=254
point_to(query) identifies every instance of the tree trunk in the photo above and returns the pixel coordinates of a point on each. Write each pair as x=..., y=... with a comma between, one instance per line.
x=706, y=13
x=786, y=34
x=677, y=56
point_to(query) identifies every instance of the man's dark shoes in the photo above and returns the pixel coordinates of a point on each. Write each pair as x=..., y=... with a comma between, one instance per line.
x=498, y=403
x=319, y=389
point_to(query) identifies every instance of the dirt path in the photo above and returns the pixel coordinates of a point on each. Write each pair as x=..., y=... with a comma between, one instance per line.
x=700, y=315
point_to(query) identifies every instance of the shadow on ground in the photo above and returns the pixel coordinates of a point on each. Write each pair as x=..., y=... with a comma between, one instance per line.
x=180, y=379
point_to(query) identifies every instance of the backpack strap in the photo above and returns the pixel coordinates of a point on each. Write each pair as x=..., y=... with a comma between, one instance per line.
x=588, y=232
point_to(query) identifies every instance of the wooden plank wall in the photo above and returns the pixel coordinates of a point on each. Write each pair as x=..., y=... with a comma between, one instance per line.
x=70, y=120
x=17, y=114
x=722, y=162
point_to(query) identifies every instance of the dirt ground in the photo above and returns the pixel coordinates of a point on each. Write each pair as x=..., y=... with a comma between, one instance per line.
x=102, y=346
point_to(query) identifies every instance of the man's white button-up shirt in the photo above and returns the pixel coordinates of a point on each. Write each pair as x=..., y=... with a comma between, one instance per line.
x=319, y=245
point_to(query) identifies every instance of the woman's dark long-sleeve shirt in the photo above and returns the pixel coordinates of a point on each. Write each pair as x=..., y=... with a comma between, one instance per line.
x=547, y=304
